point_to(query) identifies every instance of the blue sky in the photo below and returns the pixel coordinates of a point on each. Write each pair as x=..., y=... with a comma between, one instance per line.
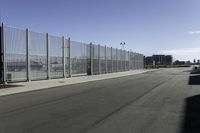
x=147, y=26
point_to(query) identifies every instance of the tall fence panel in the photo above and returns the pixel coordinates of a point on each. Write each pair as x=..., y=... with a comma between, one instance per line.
x=79, y=55
x=123, y=60
x=114, y=59
x=131, y=60
x=119, y=60
x=15, y=42
x=56, y=56
x=38, y=55
x=96, y=60
x=126, y=60
x=67, y=57
x=103, y=58
x=109, y=59
x=134, y=61
x=141, y=61
x=137, y=61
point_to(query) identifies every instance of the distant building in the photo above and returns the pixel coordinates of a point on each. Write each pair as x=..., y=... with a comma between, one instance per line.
x=149, y=60
x=177, y=62
x=159, y=60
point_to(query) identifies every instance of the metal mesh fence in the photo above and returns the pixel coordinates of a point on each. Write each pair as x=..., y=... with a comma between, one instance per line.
x=103, y=58
x=114, y=59
x=67, y=57
x=96, y=60
x=38, y=55
x=131, y=61
x=141, y=61
x=123, y=60
x=134, y=61
x=56, y=56
x=15, y=42
x=126, y=60
x=119, y=61
x=79, y=55
x=109, y=59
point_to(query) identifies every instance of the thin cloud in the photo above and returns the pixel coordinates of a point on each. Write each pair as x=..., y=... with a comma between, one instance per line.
x=194, y=32
x=183, y=54
x=186, y=51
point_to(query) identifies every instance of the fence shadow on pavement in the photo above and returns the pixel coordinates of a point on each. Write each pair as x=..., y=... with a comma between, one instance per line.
x=191, y=120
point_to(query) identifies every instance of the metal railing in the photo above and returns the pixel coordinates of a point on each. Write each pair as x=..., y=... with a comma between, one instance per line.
x=28, y=55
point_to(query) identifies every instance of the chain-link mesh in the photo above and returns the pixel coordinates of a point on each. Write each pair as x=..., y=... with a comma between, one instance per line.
x=56, y=56
x=79, y=55
x=15, y=44
x=38, y=55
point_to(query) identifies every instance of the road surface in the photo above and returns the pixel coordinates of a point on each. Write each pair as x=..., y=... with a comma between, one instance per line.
x=164, y=101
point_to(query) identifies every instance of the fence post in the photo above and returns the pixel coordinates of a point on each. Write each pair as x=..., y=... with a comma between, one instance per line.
x=111, y=60
x=48, y=59
x=117, y=59
x=128, y=61
x=4, y=54
x=1, y=57
x=63, y=55
x=91, y=59
x=106, y=59
x=69, y=57
x=124, y=61
x=143, y=61
x=99, y=60
x=136, y=60
x=122, y=55
x=27, y=56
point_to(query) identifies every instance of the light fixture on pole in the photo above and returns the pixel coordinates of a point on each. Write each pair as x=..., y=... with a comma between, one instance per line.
x=123, y=44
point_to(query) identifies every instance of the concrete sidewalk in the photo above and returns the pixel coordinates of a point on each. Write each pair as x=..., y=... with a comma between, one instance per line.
x=20, y=87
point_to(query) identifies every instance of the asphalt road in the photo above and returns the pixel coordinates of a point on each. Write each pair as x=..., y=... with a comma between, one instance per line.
x=164, y=101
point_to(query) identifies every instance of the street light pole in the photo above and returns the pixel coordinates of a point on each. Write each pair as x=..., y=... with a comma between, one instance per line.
x=123, y=44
